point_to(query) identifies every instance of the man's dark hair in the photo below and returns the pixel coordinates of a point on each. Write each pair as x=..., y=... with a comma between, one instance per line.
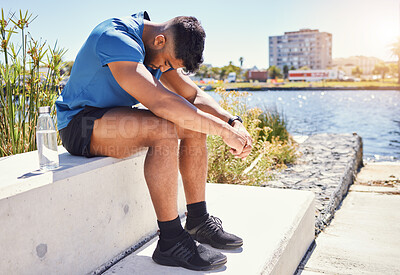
x=189, y=39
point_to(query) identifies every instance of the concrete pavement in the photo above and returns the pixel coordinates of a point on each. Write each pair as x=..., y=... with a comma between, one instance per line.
x=364, y=236
x=277, y=227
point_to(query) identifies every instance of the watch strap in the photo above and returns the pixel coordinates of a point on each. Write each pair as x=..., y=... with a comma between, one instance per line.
x=232, y=119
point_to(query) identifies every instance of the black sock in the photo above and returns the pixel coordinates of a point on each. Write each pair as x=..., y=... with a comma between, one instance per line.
x=197, y=213
x=169, y=231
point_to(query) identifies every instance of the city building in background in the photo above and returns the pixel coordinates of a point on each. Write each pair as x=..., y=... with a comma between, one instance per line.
x=366, y=64
x=257, y=75
x=303, y=48
x=315, y=75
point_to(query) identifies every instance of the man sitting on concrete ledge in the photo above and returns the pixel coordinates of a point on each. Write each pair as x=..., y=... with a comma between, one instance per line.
x=120, y=65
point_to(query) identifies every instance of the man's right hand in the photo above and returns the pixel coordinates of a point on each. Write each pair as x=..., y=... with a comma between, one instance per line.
x=238, y=143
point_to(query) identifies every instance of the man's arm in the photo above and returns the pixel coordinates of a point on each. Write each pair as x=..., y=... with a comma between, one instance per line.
x=135, y=79
x=181, y=84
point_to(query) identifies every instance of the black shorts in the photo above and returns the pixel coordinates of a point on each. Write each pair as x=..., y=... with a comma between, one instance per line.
x=76, y=136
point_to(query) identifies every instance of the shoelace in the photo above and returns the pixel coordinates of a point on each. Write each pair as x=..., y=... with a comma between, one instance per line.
x=211, y=226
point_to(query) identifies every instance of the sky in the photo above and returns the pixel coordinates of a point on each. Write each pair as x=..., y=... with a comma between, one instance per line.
x=234, y=28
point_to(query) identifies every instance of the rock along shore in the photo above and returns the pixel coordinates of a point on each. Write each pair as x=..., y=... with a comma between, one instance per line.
x=327, y=166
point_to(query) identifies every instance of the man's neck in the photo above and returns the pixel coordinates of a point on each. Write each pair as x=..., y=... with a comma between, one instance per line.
x=151, y=30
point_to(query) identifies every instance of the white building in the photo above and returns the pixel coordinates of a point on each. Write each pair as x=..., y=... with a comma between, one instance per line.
x=315, y=75
x=365, y=63
x=306, y=47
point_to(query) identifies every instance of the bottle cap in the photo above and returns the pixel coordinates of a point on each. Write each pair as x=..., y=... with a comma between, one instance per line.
x=44, y=110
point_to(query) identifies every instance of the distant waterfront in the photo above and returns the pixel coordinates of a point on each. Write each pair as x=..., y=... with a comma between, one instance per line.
x=374, y=115
x=387, y=84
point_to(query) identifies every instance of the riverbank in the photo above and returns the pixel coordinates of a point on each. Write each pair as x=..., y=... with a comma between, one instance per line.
x=327, y=167
x=321, y=85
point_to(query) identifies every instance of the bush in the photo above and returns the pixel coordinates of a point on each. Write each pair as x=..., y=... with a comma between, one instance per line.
x=276, y=122
x=269, y=153
x=23, y=87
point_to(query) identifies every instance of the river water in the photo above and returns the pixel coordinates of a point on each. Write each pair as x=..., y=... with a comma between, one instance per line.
x=374, y=115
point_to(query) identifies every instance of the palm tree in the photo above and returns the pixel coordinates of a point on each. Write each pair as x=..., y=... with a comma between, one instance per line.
x=395, y=48
x=241, y=59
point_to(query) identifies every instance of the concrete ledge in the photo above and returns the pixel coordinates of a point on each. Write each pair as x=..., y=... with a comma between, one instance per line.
x=277, y=227
x=74, y=219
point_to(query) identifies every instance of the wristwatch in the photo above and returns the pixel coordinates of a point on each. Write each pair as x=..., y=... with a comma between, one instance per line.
x=232, y=119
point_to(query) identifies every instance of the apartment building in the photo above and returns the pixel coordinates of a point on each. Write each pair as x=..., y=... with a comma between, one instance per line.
x=365, y=63
x=305, y=47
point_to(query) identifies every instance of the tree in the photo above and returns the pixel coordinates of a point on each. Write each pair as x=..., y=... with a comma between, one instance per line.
x=357, y=72
x=274, y=72
x=395, y=48
x=285, y=71
x=292, y=68
x=203, y=72
x=304, y=68
x=393, y=69
x=241, y=59
x=216, y=72
x=381, y=68
x=228, y=69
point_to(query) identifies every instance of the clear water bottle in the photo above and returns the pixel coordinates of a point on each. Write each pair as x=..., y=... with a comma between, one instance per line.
x=46, y=139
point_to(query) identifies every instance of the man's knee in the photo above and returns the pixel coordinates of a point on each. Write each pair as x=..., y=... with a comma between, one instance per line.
x=163, y=131
x=186, y=134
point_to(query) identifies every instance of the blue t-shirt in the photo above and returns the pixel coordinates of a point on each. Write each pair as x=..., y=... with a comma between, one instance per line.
x=91, y=82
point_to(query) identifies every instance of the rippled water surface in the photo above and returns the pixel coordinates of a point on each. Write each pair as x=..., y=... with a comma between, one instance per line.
x=374, y=115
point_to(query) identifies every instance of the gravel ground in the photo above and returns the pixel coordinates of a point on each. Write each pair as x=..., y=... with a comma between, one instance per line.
x=327, y=166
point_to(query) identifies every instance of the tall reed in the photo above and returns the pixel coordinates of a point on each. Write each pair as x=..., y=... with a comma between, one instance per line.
x=24, y=88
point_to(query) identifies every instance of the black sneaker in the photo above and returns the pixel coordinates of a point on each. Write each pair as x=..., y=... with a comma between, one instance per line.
x=211, y=232
x=188, y=254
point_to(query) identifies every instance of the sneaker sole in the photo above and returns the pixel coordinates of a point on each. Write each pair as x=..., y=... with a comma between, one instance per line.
x=218, y=245
x=168, y=261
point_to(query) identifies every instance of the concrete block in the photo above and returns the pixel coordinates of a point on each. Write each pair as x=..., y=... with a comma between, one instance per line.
x=277, y=227
x=74, y=219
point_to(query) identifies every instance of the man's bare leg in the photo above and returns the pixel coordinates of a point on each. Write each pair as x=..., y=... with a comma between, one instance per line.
x=123, y=131
x=193, y=167
x=193, y=164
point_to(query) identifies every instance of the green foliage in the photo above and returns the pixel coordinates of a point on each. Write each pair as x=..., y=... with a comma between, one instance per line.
x=219, y=73
x=276, y=122
x=266, y=156
x=68, y=67
x=274, y=72
x=285, y=71
x=23, y=87
x=381, y=68
x=356, y=71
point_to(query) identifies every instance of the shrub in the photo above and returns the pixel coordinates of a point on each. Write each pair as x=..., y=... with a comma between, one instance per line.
x=269, y=153
x=23, y=87
x=276, y=122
